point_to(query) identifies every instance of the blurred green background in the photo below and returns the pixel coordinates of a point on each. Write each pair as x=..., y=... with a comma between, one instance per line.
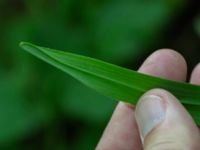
x=41, y=107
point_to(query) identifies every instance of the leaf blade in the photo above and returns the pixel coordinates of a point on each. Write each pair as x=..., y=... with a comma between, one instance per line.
x=114, y=81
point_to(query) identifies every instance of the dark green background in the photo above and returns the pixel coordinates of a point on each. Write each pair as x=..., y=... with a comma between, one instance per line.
x=41, y=107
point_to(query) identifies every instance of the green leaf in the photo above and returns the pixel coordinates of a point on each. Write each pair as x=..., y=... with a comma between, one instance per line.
x=114, y=81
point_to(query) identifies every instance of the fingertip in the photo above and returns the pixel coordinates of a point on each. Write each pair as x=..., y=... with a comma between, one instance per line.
x=195, y=76
x=166, y=63
x=162, y=120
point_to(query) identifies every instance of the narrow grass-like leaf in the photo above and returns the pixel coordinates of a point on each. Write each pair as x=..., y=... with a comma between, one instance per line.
x=114, y=81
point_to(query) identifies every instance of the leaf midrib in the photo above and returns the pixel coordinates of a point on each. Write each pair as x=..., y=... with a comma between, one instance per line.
x=97, y=75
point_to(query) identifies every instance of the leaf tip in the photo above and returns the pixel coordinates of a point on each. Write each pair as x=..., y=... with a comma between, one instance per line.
x=23, y=44
x=27, y=46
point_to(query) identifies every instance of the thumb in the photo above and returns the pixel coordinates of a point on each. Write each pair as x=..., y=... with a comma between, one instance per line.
x=164, y=123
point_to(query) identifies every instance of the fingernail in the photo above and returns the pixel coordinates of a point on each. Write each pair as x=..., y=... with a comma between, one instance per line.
x=150, y=112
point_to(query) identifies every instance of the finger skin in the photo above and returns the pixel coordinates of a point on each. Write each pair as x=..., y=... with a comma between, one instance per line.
x=122, y=131
x=195, y=77
x=177, y=131
x=167, y=64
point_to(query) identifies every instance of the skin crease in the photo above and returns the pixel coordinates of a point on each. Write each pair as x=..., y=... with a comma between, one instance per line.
x=122, y=132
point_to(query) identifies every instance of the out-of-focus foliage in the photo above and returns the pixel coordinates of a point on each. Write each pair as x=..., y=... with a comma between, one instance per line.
x=43, y=108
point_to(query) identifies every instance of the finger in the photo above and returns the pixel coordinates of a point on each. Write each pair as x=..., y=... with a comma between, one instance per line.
x=122, y=131
x=164, y=123
x=195, y=77
x=167, y=64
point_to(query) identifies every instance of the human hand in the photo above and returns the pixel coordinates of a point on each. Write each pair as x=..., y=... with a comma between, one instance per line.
x=159, y=121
